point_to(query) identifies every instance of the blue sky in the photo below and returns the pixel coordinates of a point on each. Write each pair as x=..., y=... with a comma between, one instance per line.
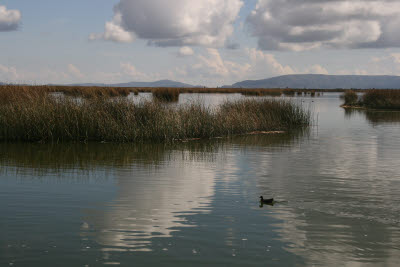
x=54, y=41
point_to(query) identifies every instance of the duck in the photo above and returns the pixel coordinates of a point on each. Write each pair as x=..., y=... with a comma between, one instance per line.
x=266, y=201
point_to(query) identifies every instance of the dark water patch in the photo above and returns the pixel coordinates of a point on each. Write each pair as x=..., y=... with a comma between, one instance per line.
x=376, y=117
x=92, y=156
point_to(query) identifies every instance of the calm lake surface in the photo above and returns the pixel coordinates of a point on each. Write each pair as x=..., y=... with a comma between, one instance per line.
x=196, y=204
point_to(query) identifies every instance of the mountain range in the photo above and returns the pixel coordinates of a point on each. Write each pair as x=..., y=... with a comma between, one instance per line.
x=309, y=81
x=319, y=81
x=161, y=83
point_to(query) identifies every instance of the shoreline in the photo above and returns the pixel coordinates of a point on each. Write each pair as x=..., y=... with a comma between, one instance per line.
x=368, y=108
x=222, y=137
x=353, y=107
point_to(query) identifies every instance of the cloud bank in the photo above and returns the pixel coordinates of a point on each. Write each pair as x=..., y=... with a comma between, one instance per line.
x=212, y=68
x=173, y=22
x=309, y=24
x=9, y=19
x=8, y=74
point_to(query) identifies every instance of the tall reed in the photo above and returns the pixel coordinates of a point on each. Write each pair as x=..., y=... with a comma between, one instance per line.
x=350, y=98
x=45, y=118
x=381, y=99
x=374, y=99
x=262, y=92
x=166, y=94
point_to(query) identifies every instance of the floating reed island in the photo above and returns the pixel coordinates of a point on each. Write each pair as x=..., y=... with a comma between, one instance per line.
x=36, y=116
x=373, y=99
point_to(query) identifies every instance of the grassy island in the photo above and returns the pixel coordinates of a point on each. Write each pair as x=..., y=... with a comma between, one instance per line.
x=373, y=99
x=37, y=116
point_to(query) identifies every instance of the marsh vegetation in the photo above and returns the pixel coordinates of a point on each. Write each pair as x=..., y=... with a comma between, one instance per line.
x=164, y=94
x=31, y=114
x=373, y=99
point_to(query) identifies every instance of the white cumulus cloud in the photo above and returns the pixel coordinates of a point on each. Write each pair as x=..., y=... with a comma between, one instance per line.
x=132, y=72
x=9, y=19
x=213, y=65
x=8, y=74
x=309, y=24
x=72, y=69
x=185, y=51
x=113, y=31
x=173, y=22
x=316, y=69
x=267, y=63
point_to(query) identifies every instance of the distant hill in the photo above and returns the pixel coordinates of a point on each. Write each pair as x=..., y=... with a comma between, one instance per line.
x=317, y=81
x=162, y=83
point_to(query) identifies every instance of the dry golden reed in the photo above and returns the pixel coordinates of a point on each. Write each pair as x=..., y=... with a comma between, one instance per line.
x=37, y=116
x=374, y=99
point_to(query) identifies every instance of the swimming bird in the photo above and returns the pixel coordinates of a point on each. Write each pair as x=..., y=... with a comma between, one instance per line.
x=266, y=201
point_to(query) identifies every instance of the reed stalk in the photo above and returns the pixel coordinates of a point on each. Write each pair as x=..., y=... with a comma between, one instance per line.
x=36, y=116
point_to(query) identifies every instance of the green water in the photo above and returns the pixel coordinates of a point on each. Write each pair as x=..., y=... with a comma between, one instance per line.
x=196, y=203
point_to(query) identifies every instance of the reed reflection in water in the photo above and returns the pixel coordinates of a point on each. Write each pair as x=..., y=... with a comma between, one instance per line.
x=157, y=187
x=375, y=117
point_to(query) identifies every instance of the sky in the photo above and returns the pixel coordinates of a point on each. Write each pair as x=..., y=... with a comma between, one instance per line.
x=202, y=42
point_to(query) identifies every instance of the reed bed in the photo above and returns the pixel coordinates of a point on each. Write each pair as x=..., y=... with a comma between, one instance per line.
x=166, y=94
x=90, y=92
x=262, y=92
x=94, y=91
x=289, y=92
x=42, y=118
x=381, y=99
x=374, y=99
x=23, y=91
x=14, y=93
x=350, y=98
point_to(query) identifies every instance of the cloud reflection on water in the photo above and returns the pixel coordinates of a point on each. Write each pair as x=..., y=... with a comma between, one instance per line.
x=342, y=191
x=340, y=182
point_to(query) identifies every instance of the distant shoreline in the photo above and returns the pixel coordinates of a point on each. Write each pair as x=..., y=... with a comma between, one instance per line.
x=92, y=91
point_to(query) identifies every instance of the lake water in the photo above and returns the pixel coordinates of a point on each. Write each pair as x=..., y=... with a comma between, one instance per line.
x=196, y=204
